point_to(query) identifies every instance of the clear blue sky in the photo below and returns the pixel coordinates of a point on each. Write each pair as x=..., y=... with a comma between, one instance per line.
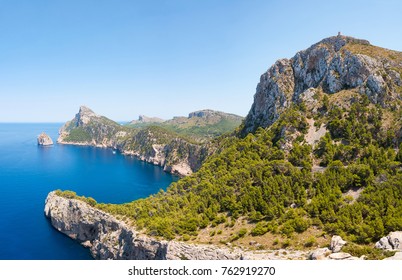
x=162, y=58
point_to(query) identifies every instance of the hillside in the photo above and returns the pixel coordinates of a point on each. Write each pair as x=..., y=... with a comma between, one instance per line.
x=179, y=146
x=199, y=126
x=319, y=154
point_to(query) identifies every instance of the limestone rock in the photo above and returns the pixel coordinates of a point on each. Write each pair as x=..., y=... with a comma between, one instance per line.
x=340, y=256
x=44, y=140
x=390, y=242
x=384, y=244
x=320, y=254
x=109, y=238
x=336, y=244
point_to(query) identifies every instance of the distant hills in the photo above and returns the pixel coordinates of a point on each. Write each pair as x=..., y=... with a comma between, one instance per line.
x=199, y=125
x=178, y=145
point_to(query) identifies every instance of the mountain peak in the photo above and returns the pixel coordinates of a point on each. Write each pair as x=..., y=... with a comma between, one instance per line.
x=84, y=115
x=335, y=64
x=84, y=110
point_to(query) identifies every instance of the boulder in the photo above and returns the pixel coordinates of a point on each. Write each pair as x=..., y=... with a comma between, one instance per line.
x=336, y=244
x=390, y=242
x=320, y=254
x=383, y=244
x=394, y=238
x=340, y=256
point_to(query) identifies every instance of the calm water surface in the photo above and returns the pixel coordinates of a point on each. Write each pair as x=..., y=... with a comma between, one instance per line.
x=28, y=172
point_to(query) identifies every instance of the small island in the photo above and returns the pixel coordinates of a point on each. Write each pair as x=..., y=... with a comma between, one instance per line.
x=44, y=140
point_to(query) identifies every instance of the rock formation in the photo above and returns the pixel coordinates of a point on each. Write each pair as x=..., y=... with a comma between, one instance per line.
x=390, y=242
x=44, y=140
x=336, y=244
x=109, y=238
x=329, y=66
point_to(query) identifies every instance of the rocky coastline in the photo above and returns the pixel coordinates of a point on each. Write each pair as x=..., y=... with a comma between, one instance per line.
x=110, y=238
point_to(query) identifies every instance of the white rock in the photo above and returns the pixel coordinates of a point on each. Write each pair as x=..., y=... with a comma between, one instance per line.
x=390, y=242
x=44, y=140
x=336, y=244
x=320, y=254
x=340, y=256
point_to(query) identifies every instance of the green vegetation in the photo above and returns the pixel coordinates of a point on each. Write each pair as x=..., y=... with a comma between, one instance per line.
x=73, y=195
x=78, y=134
x=369, y=252
x=276, y=190
x=199, y=129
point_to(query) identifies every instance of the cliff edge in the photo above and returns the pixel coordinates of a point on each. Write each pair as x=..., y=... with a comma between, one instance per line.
x=109, y=238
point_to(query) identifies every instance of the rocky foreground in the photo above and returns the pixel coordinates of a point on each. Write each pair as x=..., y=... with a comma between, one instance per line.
x=109, y=238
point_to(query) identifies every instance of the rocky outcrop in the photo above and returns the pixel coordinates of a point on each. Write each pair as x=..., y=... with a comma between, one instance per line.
x=109, y=238
x=390, y=242
x=44, y=140
x=336, y=244
x=331, y=65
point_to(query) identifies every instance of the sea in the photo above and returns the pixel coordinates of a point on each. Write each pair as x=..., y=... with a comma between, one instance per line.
x=28, y=172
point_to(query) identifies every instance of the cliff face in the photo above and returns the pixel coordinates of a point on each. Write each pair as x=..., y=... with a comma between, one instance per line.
x=108, y=238
x=151, y=144
x=331, y=65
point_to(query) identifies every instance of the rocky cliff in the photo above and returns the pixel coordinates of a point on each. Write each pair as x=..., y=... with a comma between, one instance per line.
x=44, y=140
x=109, y=238
x=152, y=144
x=332, y=65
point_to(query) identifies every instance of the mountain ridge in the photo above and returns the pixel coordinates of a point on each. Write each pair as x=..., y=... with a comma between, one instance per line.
x=163, y=145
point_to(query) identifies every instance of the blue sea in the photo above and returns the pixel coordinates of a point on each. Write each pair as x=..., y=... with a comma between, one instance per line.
x=28, y=172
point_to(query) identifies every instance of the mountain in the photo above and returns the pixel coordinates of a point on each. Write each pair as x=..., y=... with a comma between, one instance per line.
x=200, y=126
x=149, y=140
x=333, y=65
x=318, y=155
x=88, y=128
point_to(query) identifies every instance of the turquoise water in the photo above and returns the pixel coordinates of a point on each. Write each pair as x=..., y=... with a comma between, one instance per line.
x=28, y=172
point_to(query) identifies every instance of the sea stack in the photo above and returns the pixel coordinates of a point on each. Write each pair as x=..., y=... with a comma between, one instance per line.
x=44, y=140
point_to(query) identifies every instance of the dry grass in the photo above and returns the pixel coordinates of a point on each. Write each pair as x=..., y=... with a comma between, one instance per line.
x=268, y=241
x=373, y=51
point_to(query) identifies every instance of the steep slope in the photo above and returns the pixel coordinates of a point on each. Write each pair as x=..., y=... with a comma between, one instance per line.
x=313, y=158
x=160, y=146
x=88, y=128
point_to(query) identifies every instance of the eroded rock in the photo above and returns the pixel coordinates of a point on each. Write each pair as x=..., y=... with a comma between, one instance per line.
x=44, y=140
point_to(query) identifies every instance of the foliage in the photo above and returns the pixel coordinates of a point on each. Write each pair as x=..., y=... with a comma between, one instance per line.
x=78, y=134
x=369, y=252
x=252, y=177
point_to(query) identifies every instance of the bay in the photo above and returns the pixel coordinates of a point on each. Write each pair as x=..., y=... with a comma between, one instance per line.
x=28, y=172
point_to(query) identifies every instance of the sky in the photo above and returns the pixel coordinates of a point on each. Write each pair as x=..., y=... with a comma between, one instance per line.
x=123, y=58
